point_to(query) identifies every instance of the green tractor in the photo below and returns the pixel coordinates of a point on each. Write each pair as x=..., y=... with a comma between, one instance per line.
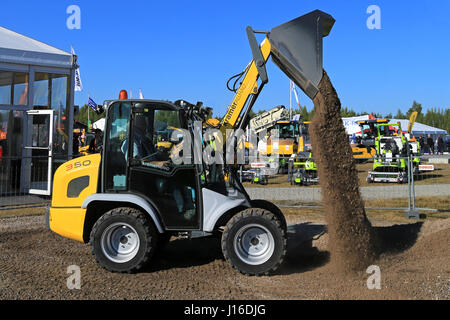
x=302, y=170
x=260, y=177
x=390, y=162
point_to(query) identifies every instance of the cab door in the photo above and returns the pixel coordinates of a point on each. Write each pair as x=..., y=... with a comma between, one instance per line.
x=172, y=188
x=137, y=159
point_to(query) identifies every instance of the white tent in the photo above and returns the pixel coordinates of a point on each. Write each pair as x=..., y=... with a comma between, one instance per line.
x=419, y=128
x=99, y=124
x=17, y=48
x=351, y=125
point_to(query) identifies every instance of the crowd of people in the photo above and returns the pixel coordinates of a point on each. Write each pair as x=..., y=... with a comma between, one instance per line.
x=432, y=146
x=94, y=144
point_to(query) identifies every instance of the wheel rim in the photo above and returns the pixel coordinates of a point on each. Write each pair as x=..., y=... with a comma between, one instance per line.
x=120, y=242
x=254, y=244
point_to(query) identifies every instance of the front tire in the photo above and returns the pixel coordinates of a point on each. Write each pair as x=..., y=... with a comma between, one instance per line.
x=253, y=242
x=123, y=240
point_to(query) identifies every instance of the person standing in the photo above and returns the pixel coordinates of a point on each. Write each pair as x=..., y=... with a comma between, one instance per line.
x=76, y=144
x=430, y=143
x=422, y=144
x=440, y=145
x=96, y=143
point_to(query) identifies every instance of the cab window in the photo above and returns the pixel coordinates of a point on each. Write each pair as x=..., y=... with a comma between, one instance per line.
x=153, y=130
x=116, y=134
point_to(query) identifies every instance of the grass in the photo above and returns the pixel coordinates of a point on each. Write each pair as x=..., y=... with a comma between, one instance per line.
x=316, y=214
x=441, y=175
x=13, y=212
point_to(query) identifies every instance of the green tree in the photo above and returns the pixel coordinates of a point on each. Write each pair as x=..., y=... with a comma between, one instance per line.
x=305, y=114
x=346, y=112
x=399, y=115
x=82, y=115
x=416, y=107
x=168, y=117
x=435, y=117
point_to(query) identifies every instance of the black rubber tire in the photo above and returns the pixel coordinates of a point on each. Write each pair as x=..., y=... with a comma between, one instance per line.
x=147, y=233
x=269, y=221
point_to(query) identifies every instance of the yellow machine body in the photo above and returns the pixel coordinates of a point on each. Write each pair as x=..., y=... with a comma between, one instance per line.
x=361, y=152
x=248, y=87
x=73, y=182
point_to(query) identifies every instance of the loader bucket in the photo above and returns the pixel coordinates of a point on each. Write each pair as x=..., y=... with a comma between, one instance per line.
x=296, y=48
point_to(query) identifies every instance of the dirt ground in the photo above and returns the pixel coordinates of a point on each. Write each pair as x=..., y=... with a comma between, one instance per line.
x=414, y=263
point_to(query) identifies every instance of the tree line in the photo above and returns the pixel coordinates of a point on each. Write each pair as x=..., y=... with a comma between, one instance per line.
x=82, y=115
x=435, y=117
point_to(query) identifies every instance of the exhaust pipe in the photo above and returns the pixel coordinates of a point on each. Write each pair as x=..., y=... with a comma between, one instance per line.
x=296, y=48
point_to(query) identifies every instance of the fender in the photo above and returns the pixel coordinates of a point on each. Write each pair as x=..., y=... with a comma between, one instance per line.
x=215, y=205
x=125, y=198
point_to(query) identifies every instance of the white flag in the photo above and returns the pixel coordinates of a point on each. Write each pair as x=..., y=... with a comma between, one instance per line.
x=131, y=94
x=78, y=83
x=295, y=93
x=141, y=96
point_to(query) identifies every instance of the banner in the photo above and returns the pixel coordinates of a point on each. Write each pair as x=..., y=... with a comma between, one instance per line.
x=78, y=83
x=412, y=119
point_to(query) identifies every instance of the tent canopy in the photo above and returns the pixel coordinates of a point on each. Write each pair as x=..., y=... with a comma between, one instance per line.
x=419, y=128
x=99, y=124
x=352, y=127
x=17, y=48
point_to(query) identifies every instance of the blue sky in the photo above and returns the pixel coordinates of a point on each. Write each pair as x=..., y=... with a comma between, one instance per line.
x=188, y=49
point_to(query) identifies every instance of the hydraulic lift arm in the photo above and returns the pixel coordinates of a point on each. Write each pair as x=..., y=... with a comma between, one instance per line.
x=296, y=48
x=248, y=88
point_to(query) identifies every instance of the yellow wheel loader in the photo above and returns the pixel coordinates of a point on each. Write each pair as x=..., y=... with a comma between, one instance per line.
x=364, y=149
x=130, y=199
x=292, y=138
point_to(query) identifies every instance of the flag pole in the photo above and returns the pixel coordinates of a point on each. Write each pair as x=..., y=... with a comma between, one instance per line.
x=88, y=129
x=290, y=100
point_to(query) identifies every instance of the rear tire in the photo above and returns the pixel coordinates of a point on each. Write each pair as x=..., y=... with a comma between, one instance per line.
x=123, y=240
x=254, y=242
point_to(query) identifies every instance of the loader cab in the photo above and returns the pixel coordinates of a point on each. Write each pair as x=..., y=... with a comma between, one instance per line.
x=390, y=138
x=369, y=131
x=287, y=129
x=135, y=162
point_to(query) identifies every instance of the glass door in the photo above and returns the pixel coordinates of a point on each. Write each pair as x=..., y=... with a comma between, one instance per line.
x=40, y=123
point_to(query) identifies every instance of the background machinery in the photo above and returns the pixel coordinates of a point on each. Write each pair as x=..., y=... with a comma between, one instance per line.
x=302, y=169
x=267, y=119
x=365, y=144
x=390, y=162
x=133, y=196
x=292, y=135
